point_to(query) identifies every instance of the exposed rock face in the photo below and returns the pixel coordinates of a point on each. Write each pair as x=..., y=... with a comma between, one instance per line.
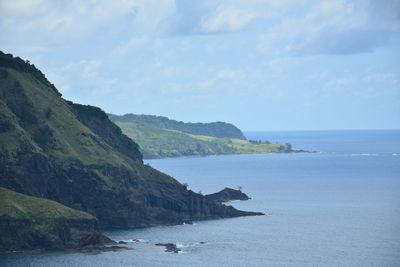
x=73, y=154
x=227, y=194
x=20, y=234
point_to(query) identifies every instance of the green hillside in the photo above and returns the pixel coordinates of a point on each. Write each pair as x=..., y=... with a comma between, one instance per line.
x=216, y=129
x=73, y=154
x=29, y=222
x=160, y=142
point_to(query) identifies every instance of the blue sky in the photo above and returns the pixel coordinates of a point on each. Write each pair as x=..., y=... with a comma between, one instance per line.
x=260, y=64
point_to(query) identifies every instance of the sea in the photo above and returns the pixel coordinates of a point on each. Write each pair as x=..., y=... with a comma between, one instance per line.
x=338, y=206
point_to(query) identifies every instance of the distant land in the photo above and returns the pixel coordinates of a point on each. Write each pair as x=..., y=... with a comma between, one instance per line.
x=161, y=137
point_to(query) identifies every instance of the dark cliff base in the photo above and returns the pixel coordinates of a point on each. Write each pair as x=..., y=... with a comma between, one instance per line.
x=22, y=235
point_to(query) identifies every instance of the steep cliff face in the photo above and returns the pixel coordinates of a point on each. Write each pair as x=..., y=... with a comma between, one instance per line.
x=35, y=223
x=75, y=155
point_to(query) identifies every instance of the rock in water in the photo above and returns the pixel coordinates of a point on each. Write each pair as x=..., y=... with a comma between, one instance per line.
x=227, y=194
x=169, y=247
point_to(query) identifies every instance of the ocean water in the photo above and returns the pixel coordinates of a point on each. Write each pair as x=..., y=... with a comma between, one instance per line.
x=337, y=207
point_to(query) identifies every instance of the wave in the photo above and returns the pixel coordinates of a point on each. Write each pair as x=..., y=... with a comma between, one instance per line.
x=365, y=155
x=374, y=154
x=137, y=240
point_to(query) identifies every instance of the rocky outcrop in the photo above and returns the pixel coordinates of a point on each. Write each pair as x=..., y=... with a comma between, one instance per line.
x=169, y=247
x=227, y=194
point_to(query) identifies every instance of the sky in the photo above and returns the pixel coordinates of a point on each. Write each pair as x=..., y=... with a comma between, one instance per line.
x=260, y=64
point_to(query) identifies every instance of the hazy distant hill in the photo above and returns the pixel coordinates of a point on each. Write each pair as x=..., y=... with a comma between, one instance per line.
x=73, y=154
x=215, y=129
x=157, y=140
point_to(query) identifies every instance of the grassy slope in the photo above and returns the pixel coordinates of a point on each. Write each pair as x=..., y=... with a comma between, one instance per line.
x=41, y=212
x=72, y=139
x=159, y=142
x=28, y=222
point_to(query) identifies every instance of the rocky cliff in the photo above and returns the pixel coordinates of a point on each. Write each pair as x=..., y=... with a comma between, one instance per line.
x=73, y=154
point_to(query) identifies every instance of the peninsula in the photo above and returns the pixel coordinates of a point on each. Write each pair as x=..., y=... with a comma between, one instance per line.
x=161, y=137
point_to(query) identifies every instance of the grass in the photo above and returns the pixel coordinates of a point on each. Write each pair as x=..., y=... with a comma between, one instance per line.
x=41, y=212
x=158, y=142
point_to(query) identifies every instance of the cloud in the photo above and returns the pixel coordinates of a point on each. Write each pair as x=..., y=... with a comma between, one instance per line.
x=360, y=85
x=226, y=74
x=50, y=22
x=335, y=27
x=89, y=68
x=228, y=19
x=220, y=16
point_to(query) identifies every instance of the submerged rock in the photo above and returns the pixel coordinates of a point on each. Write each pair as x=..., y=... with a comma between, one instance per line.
x=169, y=247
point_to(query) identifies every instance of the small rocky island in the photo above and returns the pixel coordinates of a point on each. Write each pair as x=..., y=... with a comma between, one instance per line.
x=169, y=247
x=228, y=194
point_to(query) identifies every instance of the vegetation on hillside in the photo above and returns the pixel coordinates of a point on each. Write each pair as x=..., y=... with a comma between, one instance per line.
x=42, y=212
x=216, y=129
x=159, y=142
x=29, y=223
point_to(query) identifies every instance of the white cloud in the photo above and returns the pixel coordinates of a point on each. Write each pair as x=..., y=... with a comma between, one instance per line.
x=360, y=85
x=89, y=68
x=284, y=64
x=228, y=19
x=221, y=16
x=335, y=27
x=131, y=45
x=226, y=74
x=54, y=22
x=235, y=15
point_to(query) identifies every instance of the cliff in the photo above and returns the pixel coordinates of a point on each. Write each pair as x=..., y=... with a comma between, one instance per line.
x=73, y=154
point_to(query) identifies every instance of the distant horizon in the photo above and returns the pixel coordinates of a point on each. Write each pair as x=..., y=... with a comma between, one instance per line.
x=244, y=131
x=323, y=130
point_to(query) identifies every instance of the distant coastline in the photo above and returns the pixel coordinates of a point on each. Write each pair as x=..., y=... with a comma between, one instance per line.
x=160, y=137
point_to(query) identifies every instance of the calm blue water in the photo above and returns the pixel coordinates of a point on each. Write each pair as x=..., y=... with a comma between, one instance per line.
x=340, y=207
